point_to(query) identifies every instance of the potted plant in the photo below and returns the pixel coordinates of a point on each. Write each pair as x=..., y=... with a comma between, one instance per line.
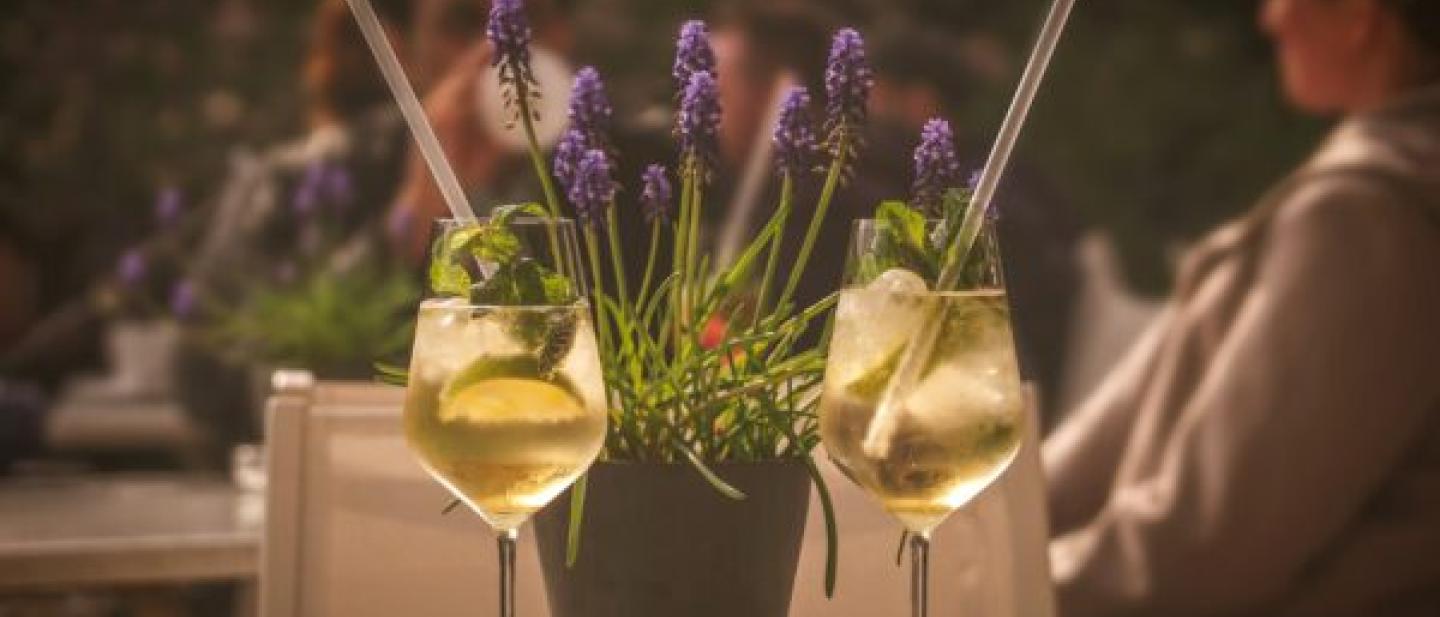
x=698, y=503
x=305, y=308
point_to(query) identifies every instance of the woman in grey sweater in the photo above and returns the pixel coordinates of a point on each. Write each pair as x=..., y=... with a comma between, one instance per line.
x=1272, y=445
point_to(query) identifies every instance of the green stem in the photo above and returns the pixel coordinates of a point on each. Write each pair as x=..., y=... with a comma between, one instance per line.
x=527, y=120
x=626, y=321
x=832, y=180
x=602, y=325
x=678, y=290
x=782, y=213
x=649, y=263
x=693, y=248
x=616, y=262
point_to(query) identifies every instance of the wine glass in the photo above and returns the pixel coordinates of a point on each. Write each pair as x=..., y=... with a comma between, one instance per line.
x=505, y=404
x=926, y=444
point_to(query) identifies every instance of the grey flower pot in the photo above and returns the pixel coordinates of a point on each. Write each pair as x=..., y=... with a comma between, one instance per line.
x=659, y=541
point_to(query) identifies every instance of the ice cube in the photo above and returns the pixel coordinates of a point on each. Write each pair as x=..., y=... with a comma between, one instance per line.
x=449, y=337
x=874, y=323
x=898, y=281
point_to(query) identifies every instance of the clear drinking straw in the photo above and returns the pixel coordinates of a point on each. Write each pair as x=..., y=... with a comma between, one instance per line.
x=410, y=108
x=921, y=345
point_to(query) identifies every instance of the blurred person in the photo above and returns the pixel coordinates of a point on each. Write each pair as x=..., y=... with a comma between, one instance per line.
x=1272, y=445
x=492, y=164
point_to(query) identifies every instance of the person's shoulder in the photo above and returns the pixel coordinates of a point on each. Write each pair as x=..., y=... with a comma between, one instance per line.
x=1356, y=198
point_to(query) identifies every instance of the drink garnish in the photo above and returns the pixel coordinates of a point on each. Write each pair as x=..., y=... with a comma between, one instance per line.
x=483, y=371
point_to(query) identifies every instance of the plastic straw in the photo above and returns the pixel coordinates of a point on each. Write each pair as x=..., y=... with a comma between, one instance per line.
x=922, y=344
x=410, y=108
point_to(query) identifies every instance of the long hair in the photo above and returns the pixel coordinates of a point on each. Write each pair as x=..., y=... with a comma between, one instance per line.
x=1422, y=19
x=340, y=75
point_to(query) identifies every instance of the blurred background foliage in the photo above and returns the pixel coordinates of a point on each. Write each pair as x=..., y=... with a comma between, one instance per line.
x=1162, y=119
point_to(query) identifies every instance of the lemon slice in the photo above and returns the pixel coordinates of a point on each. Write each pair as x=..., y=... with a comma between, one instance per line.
x=506, y=400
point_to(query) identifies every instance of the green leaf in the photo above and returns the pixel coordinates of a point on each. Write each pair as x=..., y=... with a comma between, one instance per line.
x=832, y=527
x=391, y=374
x=714, y=480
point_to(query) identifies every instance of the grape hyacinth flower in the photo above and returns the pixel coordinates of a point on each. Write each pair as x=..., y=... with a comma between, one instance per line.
x=590, y=110
x=593, y=188
x=169, y=204
x=287, y=273
x=656, y=193
x=698, y=123
x=184, y=299
x=937, y=167
x=693, y=54
x=568, y=154
x=509, y=34
x=307, y=192
x=339, y=185
x=132, y=267
x=848, y=80
x=794, y=137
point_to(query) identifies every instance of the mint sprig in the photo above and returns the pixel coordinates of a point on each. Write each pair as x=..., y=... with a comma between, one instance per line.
x=906, y=240
x=484, y=264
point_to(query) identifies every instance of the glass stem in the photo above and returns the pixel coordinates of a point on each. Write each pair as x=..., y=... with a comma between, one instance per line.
x=506, y=541
x=919, y=575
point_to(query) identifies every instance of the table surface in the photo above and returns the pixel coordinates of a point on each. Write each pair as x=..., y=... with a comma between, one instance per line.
x=107, y=530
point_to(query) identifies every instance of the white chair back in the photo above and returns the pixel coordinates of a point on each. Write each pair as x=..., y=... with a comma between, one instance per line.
x=354, y=525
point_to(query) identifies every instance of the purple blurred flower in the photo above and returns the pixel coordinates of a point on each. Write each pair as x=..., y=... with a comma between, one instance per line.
x=400, y=222
x=593, y=189
x=568, y=154
x=306, y=197
x=509, y=34
x=339, y=185
x=132, y=267
x=848, y=80
x=698, y=123
x=169, y=204
x=590, y=110
x=794, y=137
x=692, y=54
x=184, y=299
x=286, y=272
x=656, y=195
x=937, y=168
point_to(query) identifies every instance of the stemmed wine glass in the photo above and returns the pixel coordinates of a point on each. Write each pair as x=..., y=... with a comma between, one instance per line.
x=925, y=444
x=505, y=404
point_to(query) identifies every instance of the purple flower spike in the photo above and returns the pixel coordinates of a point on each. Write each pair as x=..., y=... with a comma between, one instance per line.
x=937, y=168
x=568, y=155
x=848, y=80
x=509, y=34
x=307, y=193
x=169, y=205
x=339, y=185
x=132, y=268
x=594, y=187
x=656, y=195
x=698, y=123
x=693, y=54
x=286, y=272
x=184, y=299
x=590, y=109
x=400, y=222
x=794, y=136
